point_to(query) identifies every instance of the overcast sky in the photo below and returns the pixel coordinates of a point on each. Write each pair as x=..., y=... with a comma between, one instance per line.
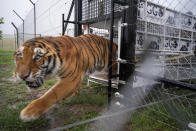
x=48, y=13
x=22, y=7
x=53, y=17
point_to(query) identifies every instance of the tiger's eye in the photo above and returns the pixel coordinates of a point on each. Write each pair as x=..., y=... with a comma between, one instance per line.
x=37, y=58
x=18, y=54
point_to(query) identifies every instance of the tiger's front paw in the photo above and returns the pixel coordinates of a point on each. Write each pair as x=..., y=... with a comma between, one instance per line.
x=32, y=111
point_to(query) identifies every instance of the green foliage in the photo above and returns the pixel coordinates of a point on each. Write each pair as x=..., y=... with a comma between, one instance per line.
x=1, y=22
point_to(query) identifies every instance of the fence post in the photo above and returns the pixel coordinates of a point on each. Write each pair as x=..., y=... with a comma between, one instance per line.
x=109, y=91
x=78, y=17
x=2, y=43
x=64, y=28
x=22, y=22
x=16, y=33
x=15, y=40
x=34, y=18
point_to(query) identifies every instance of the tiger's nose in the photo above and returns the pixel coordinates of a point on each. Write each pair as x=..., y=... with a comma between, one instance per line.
x=24, y=76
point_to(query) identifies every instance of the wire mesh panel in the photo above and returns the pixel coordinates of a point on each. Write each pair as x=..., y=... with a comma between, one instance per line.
x=8, y=42
x=180, y=67
x=161, y=26
x=93, y=9
x=172, y=18
x=149, y=108
x=168, y=26
x=172, y=107
x=158, y=19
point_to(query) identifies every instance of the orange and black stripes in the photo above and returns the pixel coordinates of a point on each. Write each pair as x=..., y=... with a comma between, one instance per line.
x=69, y=58
x=78, y=55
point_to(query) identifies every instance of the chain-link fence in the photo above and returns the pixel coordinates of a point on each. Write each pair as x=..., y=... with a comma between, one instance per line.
x=165, y=33
x=48, y=19
x=8, y=42
x=165, y=28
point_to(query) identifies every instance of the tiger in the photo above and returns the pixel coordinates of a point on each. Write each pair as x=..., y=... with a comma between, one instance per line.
x=67, y=58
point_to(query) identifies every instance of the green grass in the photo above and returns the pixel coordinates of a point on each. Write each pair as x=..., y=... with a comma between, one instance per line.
x=87, y=99
x=14, y=97
x=49, y=83
x=9, y=119
x=167, y=116
x=193, y=81
x=88, y=104
x=146, y=119
x=87, y=115
x=94, y=95
x=6, y=57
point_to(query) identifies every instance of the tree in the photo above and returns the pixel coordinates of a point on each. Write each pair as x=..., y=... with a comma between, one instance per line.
x=1, y=22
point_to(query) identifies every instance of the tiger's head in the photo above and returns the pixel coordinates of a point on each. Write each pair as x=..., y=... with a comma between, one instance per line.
x=32, y=64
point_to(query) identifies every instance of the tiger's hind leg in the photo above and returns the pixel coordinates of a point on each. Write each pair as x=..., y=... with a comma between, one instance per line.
x=64, y=88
